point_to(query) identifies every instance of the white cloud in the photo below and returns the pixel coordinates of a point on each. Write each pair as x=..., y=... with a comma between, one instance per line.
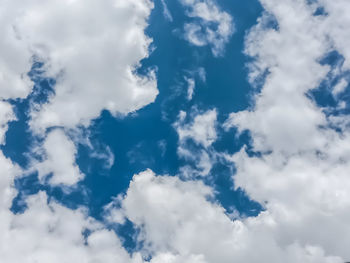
x=59, y=160
x=91, y=48
x=336, y=26
x=302, y=174
x=194, y=35
x=191, y=84
x=171, y=258
x=166, y=12
x=15, y=56
x=202, y=130
x=201, y=74
x=8, y=173
x=283, y=116
x=179, y=224
x=49, y=232
x=202, y=161
x=212, y=26
x=340, y=87
x=6, y=115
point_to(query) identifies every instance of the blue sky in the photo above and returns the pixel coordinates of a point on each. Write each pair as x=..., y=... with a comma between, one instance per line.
x=174, y=131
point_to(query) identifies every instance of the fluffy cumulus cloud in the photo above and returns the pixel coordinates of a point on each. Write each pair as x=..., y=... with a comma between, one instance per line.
x=336, y=23
x=191, y=84
x=302, y=173
x=91, y=48
x=15, y=58
x=201, y=130
x=49, y=232
x=59, y=160
x=283, y=116
x=166, y=13
x=178, y=223
x=211, y=25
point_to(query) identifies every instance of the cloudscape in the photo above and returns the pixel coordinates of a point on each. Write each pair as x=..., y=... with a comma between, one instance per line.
x=174, y=131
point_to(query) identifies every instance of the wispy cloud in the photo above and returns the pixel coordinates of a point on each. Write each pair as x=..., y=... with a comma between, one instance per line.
x=166, y=11
x=211, y=26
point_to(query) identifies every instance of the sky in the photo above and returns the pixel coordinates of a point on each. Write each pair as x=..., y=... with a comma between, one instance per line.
x=174, y=131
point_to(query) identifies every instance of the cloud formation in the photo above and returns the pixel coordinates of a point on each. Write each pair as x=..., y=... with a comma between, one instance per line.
x=299, y=172
x=178, y=223
x=201, y=129
x=91, y=48
x=198, y=128
x=6, y=115
x=59, y=160
x=48, y=232
x=211, y=25
x=302, y=173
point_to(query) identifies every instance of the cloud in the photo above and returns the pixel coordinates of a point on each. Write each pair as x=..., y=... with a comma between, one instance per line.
x=301, y=171
x=336, y=23
x=211, y=26
x=48, y=232
x=283, y=116
x=191, y=84
x=201, y=130
x=178, y=223
x=91, y=48
x=15, y=57
x=166, y=12
x=191, y=81
x=6, y=115
x=170, y=258
x=59, y=160
x=106, y=155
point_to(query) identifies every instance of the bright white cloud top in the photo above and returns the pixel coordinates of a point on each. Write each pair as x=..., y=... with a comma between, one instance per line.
x=59, y=160
x=92, y=48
